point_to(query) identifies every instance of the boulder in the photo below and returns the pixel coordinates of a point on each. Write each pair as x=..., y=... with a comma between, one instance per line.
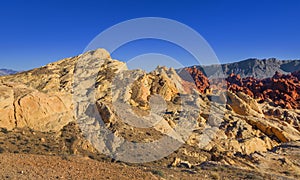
x=26, y=107
x=243, y=104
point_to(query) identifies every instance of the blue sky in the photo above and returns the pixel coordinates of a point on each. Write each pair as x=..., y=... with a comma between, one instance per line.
x=34, y=33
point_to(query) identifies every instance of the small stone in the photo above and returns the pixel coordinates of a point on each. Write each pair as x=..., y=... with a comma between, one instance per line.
x=42, y=140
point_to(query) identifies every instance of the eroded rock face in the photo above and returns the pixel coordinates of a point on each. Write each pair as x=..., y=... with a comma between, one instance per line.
x=243, y=104
x=162, y=81
x=7, y=114
x=41, y=99
x=139, y=111
x=138, y=107
x=57, y=76
x=22, y=106
x=200, y=80
x=282, y=90
x=296, y=74
x=249, y=126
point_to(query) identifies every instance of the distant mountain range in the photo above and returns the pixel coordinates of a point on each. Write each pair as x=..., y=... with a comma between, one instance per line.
x=258, y=68
x=4, y=72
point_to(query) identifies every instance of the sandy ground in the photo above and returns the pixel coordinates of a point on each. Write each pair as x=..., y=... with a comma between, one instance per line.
x=28, y=166
x=27, y=154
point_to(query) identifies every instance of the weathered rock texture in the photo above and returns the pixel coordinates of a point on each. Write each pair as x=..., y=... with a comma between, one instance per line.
x=236, y=126
x=41, y=98
x=199, y=79
x=282, y=90
x=22, y=106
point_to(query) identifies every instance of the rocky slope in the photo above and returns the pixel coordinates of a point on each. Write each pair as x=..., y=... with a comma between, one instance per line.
x=252, y=68
x=175, y=118
x=198, y=78
x=282, y=90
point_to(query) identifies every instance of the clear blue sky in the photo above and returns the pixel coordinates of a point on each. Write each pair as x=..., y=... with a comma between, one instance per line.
x=34, y=33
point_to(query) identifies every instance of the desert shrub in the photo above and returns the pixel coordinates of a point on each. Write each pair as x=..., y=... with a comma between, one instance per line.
x=157, y=172
x=215, y=176
x=4, y=130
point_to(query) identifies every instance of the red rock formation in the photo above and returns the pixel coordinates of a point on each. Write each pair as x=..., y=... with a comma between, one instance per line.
x=201, y=81
x=296, y=74
x=283, y=90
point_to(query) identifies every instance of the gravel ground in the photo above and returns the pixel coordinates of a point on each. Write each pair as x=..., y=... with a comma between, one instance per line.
x=28, y=166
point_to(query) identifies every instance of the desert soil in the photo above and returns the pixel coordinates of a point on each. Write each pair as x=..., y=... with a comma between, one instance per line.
x=29, y=166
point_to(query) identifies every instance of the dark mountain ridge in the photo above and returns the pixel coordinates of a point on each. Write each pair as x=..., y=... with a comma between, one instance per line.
x=258, y=68
x=4, y=72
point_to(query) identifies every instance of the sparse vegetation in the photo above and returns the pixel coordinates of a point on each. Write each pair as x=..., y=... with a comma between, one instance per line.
x=4, y=130
x=215, y=176
x=158, y=172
